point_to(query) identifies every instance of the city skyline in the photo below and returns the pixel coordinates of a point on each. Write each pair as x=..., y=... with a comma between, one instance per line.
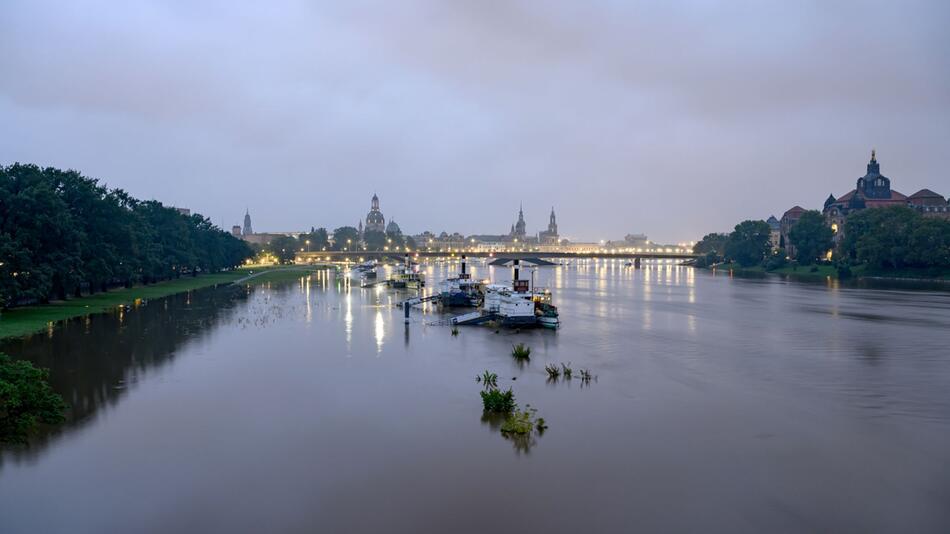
x=673, y=120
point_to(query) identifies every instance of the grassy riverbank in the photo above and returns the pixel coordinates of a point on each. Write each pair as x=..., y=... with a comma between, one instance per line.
x=829, y=271
x=29, y=319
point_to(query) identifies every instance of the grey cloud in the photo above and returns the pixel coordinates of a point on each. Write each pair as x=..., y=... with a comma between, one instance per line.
x=669, y=118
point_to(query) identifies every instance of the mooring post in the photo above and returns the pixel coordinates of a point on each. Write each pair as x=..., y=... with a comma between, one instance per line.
x=405, y=309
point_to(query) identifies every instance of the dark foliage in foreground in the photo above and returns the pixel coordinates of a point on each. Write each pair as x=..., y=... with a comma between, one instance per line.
x=26, y=400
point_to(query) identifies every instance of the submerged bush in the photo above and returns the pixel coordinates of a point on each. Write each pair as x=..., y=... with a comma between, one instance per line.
x=521, y=351
x=519, y=422
x=568, y=372
x=495, y=400
x=553, y=370
x=26, y=399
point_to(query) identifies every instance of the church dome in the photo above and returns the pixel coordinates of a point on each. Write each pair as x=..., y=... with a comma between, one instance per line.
x=393, y=228
x=375, y=222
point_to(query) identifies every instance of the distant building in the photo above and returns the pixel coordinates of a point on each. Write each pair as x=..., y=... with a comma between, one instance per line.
x=789, y=218
x=184, y=211
x=248, y=230
x=550, y=236
x=375, y=222
x=393, y=228
x=775, y=235
x=518, y=229
x=636, y=240
x=873, y=190
x=236, y=230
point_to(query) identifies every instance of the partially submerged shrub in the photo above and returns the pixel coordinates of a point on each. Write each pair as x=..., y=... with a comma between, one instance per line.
x=553, y=370
x=455, y=330
x=519, y=422
x=521, y=351
x=495, y=400
x=26, y=400
x=566, y=369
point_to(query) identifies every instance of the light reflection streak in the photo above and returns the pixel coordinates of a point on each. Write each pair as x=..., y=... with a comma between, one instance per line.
x=348, y=322
x=307, y=296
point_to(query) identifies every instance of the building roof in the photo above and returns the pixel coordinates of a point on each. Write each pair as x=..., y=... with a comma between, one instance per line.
x=926, y=193
x=797, y=210
x=895, y=196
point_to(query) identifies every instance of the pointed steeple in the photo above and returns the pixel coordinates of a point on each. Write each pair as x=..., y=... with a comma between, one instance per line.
x=873, y=167
x=248, y=230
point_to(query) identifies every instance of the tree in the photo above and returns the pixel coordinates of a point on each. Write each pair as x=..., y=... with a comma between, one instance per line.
x=26, y=399
x=811, y=236
x=749, y=243
x=712, y=244
x=284, y=248
x=896, y=237
x=345, y=238
x=930, y=243
x=374, y=240
x=319, y=239
x=61, y=232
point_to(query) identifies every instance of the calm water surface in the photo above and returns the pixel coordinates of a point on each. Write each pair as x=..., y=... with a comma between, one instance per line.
x=720, y=405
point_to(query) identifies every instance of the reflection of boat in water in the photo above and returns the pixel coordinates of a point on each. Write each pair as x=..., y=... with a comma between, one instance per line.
x=517, y=304
x=461, y=291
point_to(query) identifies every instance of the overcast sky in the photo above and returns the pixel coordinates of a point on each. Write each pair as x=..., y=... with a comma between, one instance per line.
x=672, y=119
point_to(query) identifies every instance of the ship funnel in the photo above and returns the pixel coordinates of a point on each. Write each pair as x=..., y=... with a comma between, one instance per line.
x=463, y=263
x=516, y=263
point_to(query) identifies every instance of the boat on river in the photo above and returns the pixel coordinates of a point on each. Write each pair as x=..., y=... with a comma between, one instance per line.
x=514, y=304
x=462, y=290
x=407, y=276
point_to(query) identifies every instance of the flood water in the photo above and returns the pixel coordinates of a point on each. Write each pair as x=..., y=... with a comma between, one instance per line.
x=720, y=404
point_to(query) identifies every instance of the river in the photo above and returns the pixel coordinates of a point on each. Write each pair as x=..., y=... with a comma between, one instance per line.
x=719, y=404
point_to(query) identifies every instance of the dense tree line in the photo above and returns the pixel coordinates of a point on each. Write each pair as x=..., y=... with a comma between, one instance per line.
x=895, y=238
x=881, y=238
x=62, y=234
x=747, y=245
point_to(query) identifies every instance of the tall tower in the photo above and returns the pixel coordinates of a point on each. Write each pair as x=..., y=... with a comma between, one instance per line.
x=247, y=223
x=874, y=184
x=520, y=231
x=552, y=224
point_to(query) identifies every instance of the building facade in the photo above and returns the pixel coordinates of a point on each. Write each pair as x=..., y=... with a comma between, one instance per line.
x=775, y=232
x=788, y=220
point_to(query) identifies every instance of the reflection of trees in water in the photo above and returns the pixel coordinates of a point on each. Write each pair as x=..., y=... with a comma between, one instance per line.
x=522, y=443
x=93, y=359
